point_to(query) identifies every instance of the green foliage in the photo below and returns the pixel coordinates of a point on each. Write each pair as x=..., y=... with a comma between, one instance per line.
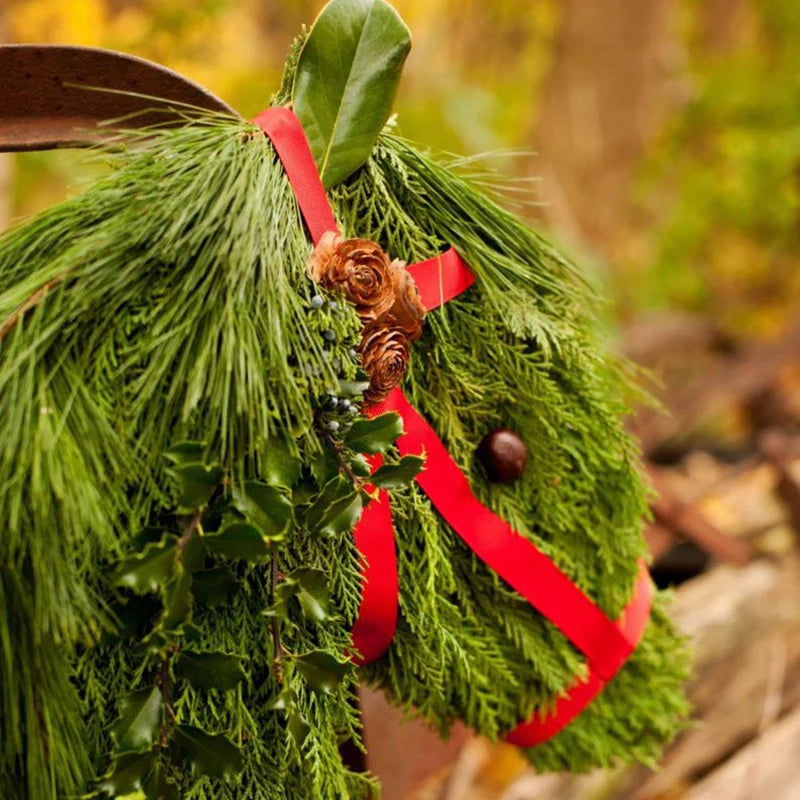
x=374, y=435
x=346, y=81
x=139, y=717
x=186, y=316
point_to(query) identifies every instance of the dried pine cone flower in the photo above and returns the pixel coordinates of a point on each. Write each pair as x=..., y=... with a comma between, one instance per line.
x=407, y=308
x=359, y=268
x=384, y=357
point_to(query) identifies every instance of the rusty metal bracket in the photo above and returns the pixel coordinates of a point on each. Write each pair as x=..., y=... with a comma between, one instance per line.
x=52, y=96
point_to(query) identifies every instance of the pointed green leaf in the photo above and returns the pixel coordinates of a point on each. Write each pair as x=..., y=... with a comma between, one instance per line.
x=209, y=754
x=298, y=728
x=390, y=476
x=325, y=467
x=157, y=787
x=313, y=592
x=322, y=671
x=238, y=540
x=196, y=484
x=266, y=507
x=346, y=81
x=280, y=467
x=210, y=670
x=127, y=774
x=186, y=453
x=360, y=466
x=374, y=435
x=341, y=515
x=211, y=587
x=352, y=388
x=139, y=721
x=177, y=598
x=149, y=570
x=193, y=556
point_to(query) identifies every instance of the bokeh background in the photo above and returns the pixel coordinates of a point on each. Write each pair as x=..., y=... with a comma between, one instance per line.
x=658, y=143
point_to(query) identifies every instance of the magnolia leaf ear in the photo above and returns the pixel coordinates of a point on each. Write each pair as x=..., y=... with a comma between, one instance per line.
x=346, y=81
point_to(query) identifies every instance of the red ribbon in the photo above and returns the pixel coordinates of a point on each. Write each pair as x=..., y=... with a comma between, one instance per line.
x=606, y=644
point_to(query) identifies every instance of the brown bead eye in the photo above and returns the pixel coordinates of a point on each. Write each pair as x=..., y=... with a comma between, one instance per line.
x=503, y=454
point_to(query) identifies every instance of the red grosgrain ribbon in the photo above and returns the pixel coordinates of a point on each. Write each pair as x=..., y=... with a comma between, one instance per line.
x=289, y=140
x=607, y=644
x=374, y=627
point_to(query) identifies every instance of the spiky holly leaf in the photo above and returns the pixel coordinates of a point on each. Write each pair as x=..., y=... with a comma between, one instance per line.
x=149, y=570
x=210, y=670
x=186, y=453
x=196, y=484
x=312, y=592
x=239, y=540
x=374, y=435
x=211, y=587
x=390, y=476
x=209, y=754
x=360, y=466
x=280, y=467
x=346, y=81
x=298, y=728
x=266, y=507
x=341, y=515
x=177, y=598
x=157, y=787
x=139, y=719
x=322, y=671
x=127, y=774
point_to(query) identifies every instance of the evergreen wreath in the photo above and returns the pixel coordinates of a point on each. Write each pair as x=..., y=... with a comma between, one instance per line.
x=184, y=456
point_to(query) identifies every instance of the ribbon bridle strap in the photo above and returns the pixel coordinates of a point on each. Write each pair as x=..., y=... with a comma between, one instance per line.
x=606, y=643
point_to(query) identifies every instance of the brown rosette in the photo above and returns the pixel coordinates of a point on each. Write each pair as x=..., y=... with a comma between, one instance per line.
x=386, y=300
x=384, y=357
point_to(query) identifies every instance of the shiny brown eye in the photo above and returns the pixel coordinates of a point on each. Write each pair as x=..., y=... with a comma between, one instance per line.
x=503, y=454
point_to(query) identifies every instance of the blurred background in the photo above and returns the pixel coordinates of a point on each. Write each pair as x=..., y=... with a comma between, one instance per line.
x=662, y=141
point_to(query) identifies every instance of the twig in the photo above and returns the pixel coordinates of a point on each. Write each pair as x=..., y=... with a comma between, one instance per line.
x=189, y=531
x=275, y=624
x=30, y=303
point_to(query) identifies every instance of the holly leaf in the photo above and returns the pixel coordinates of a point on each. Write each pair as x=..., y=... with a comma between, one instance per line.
x=322, y=671
x=127, y=774
x=298, y=728
x=360, y=466
x=390, y=476
x=325, y=467
x=157, y=787
x=211, y=587
x=177, y=598
x=374, y=435
x=196, y=484
x=210, y=670
x=341, y=515
x=346, y=81
x=186, y=453
x=280, y=467
x=239, y=540
x=149, y=570
x=139, y=719
x=312, y=592
x=209, y=754
x=266, y=507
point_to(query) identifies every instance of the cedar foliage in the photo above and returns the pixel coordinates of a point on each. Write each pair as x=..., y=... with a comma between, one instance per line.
x=179, y=309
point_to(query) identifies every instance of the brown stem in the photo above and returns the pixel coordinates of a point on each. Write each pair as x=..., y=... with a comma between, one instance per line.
x=30, y=303
x=277, y=646
x=357, y=481
x=163, y=684
x=188, y=532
